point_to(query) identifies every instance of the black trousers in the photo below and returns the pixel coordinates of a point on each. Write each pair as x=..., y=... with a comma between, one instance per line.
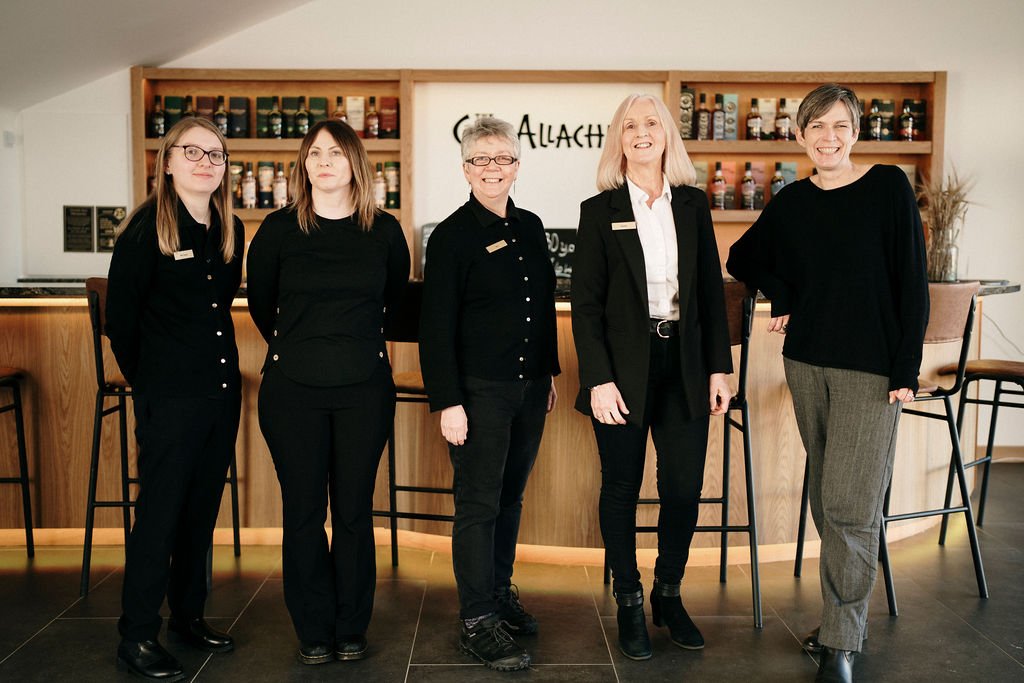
x=326, y=443
x=681, y=446
x=506, y=422
x=185, y=448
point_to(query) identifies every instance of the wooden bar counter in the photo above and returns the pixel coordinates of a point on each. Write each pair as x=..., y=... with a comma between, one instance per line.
x=47, y=333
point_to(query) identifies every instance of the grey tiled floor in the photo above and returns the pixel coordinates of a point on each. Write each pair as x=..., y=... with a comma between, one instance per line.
x=944, y=631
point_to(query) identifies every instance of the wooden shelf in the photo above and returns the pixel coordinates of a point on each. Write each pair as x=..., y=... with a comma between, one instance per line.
x=791, y=147
x=255, y=215
x=286, y=145
x=734, y=216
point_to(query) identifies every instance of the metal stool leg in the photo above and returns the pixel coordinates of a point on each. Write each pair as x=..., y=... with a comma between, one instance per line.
x=122, y=420
x=236, y=522
x=748, y=466
x=393, y=496
x=972, y=532
x=723, y=561
x=952, y=471
x=996, y=397
x=798, y=564
x=883, y=557
x=90, y=510
x=26, y=501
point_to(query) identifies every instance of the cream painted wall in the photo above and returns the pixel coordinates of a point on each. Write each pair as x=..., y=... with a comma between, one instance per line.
x=10, y=194
x=977, y=43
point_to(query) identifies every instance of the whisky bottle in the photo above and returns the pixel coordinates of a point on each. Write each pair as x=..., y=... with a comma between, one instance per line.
x=702, y=119
x=874, y=122
x=394, y=197
x=747, y=187
x=778, y=180
x=157, y=124
x=188, y=109
x=718, y=188
x=220, y=116
x=248, y=188
x=372, y=120
x=275, y=119
x=339, y=110
x=783, y=124
x=718, y=120
x=280, y=187
x=753, y=121
x=301, y=119
x=380, y=187
x=908, y=129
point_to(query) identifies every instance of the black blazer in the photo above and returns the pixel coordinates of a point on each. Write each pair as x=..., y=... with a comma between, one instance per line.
x=610, y=315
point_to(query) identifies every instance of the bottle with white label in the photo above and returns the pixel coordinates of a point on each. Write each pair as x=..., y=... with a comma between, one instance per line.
x=778, y=180
x=718, y=188
x=248, y=188
x=783, y=123
x=380, y=187
x=718, y=119
x=280, y=187
x=747, y=188
x=754, y=121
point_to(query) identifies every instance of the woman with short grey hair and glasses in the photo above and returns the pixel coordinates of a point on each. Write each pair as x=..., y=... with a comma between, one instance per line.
x=488, y=351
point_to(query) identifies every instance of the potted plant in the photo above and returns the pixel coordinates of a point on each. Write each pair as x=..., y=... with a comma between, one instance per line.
x=943, y=205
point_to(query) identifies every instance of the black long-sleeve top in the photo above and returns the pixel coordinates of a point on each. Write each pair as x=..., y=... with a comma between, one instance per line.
x=319, y=299
x=848, y=266
x=169, y=317
x=488, y=301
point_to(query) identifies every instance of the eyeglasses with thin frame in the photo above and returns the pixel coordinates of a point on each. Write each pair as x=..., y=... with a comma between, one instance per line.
x=500, y=160
x=193, y=153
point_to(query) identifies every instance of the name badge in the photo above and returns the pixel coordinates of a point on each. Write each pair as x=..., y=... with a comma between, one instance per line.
x=625, y=225
x=182, y=255
x=500, y=244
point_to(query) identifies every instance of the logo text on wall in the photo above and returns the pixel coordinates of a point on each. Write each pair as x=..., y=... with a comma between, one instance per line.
x=547, y=135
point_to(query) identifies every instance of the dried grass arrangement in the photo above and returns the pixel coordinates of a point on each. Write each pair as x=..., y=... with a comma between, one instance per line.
x=943, y=205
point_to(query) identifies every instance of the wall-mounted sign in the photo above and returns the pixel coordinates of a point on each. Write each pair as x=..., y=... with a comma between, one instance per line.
x=107, y=220
x=78, y=232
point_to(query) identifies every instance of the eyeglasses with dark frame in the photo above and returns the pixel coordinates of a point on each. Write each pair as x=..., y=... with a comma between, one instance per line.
x=500, y=160
x=194, y=153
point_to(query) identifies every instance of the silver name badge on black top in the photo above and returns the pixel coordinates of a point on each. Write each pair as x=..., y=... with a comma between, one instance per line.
x=182, y=255
x=500, y=244
x=626, y=225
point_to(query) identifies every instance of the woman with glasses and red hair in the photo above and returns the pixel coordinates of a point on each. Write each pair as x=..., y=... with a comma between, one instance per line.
x=175, y=270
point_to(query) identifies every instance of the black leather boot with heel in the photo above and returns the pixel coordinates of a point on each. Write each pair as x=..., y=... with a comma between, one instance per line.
x=633, y=639
x=667, y=610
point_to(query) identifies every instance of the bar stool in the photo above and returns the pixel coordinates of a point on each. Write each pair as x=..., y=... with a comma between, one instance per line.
x=11, y=378
x=951, y=319
x=402, y=325
x=1000, y=372
x=118, y=388
x=739, y=305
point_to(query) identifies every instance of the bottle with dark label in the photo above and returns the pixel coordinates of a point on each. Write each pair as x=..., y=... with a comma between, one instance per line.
x=783, y=124
x=718, y=119
x=339, y=110
x=372, y=120
x=220, y=116
x=778, y=180
x=301, y=119
x=248, y=188
x=908, y=129
x=380, y=187
x=747, y=187
x=265, y=184
x=275, y=119
x=157, y=124
x=702, y=119
x=393, y=197
x=874, y=123
x=280, y=187
x=718, y=188
x=188, y=109
x=754, y=121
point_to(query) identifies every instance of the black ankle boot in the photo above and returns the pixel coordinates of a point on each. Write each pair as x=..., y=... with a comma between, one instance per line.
x=667, y=610
x=836, y=666
x=633, y=639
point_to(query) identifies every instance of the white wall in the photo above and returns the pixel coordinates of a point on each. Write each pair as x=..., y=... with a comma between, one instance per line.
x=10, y=195
x=977, y=43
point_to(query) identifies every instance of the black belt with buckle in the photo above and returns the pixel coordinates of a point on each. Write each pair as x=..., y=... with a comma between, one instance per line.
x=665, y=328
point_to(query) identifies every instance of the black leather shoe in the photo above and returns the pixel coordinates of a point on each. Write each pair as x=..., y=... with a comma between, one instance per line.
x=350, y=647
x=199, y=634
x=667, y=610
x=148, y=659
x=633, y=639
x=515, y=618
x=836, y=666
x=810, y=642
x=315, y=653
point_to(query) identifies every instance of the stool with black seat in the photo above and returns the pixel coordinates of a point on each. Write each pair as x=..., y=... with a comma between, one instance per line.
x=950, y=320
x=114, y=386
x=401, y=325
x=739, y=305
x=985, y=369
x=11, y=378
